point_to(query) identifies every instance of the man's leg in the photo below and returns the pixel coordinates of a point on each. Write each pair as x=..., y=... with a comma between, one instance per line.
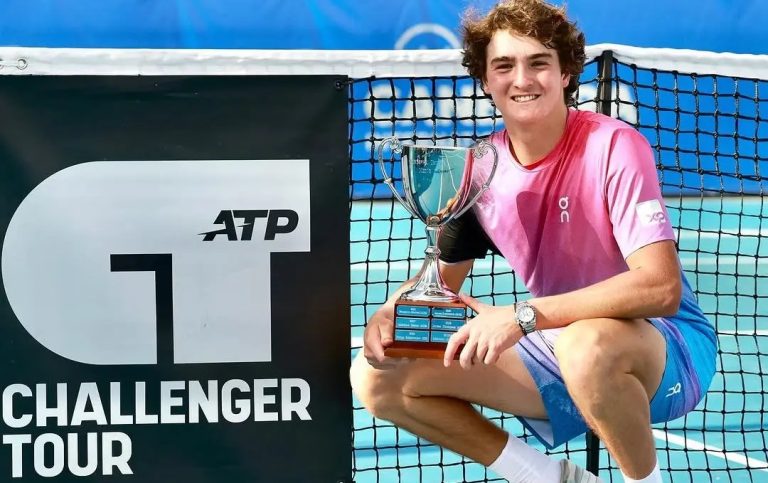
x=433, y=402
x=612, y=369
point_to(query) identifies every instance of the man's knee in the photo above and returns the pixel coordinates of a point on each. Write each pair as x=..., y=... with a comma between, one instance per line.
x=589, y=358
x=584, y=348
x=595, y=353
x=379, y=391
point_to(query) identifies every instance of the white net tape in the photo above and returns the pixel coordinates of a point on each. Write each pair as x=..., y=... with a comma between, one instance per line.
x=354, y=63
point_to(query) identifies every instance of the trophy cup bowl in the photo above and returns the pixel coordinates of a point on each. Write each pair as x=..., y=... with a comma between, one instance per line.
x=439, y=184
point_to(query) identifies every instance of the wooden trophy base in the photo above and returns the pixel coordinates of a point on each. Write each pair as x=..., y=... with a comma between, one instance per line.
x=422, y=329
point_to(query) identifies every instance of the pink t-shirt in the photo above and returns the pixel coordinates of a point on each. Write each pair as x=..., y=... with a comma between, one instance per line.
x=571, y=220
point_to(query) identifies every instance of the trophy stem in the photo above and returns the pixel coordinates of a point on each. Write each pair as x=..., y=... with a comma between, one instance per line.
x=430, y=285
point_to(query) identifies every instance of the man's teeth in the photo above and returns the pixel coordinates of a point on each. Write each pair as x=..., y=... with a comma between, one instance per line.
x=524, y=98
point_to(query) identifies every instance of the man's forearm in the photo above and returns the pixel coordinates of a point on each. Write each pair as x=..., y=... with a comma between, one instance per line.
x=635, y=294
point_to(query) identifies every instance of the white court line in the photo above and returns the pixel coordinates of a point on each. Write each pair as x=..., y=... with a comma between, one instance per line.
x=713, y=450
x=743, y=332
x=693, y=233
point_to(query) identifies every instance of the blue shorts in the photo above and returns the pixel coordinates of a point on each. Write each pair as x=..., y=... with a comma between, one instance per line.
x=690, y=367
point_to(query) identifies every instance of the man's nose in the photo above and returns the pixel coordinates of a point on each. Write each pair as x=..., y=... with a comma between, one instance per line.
x=522, y=77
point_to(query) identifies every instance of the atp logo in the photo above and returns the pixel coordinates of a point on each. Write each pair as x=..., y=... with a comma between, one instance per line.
x=102, y=262
x=277, y=221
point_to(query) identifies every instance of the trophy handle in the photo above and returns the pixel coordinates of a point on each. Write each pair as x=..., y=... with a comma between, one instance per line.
x=396, y=148
x=480, y=150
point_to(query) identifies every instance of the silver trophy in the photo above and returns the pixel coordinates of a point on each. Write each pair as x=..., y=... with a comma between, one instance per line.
x=439, y=184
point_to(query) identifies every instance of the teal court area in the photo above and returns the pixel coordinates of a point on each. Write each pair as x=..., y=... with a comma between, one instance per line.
x=722, y=248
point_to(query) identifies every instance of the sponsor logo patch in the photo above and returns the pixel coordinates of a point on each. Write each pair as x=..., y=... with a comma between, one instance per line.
x=651, y=212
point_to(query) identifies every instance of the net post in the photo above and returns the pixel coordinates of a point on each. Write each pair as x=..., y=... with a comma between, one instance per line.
x=604, y=98
x=593, y=453
x=605, y=82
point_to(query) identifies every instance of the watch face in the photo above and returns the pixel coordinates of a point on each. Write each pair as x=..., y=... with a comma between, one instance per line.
x=525, y=314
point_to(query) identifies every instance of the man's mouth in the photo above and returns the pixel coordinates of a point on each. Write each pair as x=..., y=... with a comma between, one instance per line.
x=526, y=98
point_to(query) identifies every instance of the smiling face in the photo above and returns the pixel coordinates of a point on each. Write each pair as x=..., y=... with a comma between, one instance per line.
x=524, y=79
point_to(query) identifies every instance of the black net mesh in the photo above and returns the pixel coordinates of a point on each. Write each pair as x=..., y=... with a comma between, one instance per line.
x=709, y=138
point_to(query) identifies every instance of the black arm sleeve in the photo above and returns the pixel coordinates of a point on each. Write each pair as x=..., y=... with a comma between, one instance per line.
x=464, y=239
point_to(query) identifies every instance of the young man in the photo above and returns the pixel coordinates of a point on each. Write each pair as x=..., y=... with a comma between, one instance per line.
x=612, y=338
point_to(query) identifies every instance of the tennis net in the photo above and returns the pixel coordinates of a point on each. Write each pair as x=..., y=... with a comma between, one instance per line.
x=704, y=116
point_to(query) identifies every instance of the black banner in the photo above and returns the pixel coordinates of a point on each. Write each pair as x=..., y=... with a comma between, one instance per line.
x=175, y=267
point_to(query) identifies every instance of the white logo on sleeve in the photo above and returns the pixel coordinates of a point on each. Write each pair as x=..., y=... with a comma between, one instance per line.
x=651, y=212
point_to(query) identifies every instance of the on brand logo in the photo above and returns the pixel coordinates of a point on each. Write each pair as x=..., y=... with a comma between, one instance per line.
x=563, y=203
x=102, y=262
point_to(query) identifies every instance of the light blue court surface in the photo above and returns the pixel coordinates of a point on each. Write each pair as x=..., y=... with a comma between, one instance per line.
x=723, y=248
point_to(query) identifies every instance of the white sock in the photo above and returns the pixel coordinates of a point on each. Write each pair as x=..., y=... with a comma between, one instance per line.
x=654, y=477
x=520, y=463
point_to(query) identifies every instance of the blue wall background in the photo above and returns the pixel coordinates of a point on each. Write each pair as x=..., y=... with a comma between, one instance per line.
x=716, y=25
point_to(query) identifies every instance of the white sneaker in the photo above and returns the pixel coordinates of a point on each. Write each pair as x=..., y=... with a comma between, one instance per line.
x=572, y=473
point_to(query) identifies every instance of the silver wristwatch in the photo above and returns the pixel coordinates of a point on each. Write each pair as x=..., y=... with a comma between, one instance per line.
x=525, y=314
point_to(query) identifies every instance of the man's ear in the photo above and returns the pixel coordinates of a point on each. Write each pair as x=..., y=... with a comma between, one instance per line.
x=566, y=80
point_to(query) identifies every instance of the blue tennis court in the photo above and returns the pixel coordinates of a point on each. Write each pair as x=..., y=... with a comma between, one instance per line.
x=722, y=251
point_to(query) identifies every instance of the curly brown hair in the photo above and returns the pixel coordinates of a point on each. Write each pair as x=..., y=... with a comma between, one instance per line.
x=531, y=18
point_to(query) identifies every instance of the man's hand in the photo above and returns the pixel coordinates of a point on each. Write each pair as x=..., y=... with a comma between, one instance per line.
x=377, y=336
x=485, y=337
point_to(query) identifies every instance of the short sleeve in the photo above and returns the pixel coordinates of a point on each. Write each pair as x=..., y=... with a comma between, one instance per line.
x=464, y=239
x=635, y=204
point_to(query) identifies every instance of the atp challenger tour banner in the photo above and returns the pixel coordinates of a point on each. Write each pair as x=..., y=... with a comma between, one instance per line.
x=175, y=279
